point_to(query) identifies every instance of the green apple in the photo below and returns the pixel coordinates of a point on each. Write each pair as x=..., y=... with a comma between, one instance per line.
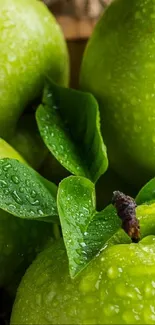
x=27, y=141
x=117, y=287
x=107, y=184
x=118, y=68
x=7, y=151
x=53, y=170
x=32, y=46
x=20, y=239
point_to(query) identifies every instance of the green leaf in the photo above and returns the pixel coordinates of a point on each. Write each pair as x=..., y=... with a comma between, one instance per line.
x=26, y=194
x=147, y=193
x=85, y=231
x=69, y=123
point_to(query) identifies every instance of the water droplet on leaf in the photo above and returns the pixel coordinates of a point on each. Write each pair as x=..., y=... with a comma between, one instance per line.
x=36, y=202
x=17, y=197
x=40, y=212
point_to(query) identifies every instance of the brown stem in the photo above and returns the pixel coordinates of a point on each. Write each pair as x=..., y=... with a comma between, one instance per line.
x=126, y=210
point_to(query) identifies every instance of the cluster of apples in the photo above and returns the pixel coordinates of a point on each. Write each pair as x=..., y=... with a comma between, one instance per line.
x=32, y=46
x=118, y=286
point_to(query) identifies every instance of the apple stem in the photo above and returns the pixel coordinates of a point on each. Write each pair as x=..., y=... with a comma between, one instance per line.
x=126, y=210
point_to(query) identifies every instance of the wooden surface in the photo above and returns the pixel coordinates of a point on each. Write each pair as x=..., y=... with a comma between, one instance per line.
x=76, y=8
x=76, y=28
x=77, y=17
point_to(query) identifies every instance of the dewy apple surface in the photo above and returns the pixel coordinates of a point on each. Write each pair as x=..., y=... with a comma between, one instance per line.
x=118, y=68
x=32, y=46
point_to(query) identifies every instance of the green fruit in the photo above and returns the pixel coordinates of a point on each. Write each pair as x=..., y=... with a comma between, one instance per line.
x=118, y=287
x=20, y=240
x=27, y=141
x=6, y=151
x=52, y=170
x=118, y=68
x=32, y=46
x=107, y=184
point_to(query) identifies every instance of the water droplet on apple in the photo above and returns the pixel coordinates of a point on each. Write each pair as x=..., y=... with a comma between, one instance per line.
x=15, y=179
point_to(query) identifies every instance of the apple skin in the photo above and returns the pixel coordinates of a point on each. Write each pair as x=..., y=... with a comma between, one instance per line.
x=117, y=287
x=20, y=240
x=27, y=141
x=32, y=46
x=53, y=170
x=107, y=184
x=119, y=69
x=7, y=151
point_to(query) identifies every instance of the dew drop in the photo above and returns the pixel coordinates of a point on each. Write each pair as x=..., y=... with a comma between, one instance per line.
x=40, y=212
x=149, y=291
x=110, y=310
x=6, y=167
x=36, y=202
x=31, y=213
x=12, y=207
x=97, y=284
x=15, y=179
x=83, y=244
x=33, y=194
x=112, y=273
x=17, y=197
x=27, y=182
x=3, y=183
x=77, y=260
x=86, y=210
x=21, y=189
x=6, y=192
x=38, y=299
x=50, y=296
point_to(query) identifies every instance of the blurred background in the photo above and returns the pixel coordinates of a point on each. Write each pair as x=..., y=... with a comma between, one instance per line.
x=77, y=19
